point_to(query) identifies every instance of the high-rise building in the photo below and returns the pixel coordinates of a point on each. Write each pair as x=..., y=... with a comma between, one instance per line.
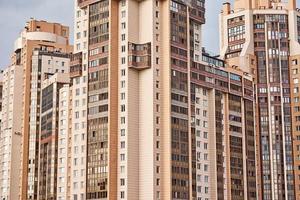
x=10, y=136
x=51, y=136
x=40, y=49
x=262, y=36
x=223, y=130
x=138, y=111
x=164, y=119
x=64, y=143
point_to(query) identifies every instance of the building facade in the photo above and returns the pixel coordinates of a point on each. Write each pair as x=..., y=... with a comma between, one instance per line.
x=50, y=136
x=47, y=37
x=153, y=130
x=263, y=38
x=222, y=127
x=138, y=111
x=10, y=136
x=40, y=49
x=64, y=163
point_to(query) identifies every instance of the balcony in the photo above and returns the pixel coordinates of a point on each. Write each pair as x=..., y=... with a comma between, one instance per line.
x=139, y=56
x=76, y=65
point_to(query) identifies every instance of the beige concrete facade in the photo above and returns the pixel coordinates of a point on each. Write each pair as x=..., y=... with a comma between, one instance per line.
x=147, y=113
x=49, y=137
x=262, y=36
x=138, y=117
x=64, y=139
x=46, y=37
x=11, y=137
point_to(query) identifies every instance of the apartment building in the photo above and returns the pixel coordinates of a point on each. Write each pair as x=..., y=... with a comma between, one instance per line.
x=40, y=49
x=64, y=143
x=79, y=87
x=164, y=120
x=10, y=136
x=263, y=38
x=50, y=135
x=222, y=128
x=138, y=111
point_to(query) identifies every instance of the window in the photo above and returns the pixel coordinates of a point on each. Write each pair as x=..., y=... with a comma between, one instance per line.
x=122, y=156
x=206, y=179
x=78, y=47
x=123, y=60
x=122, y=181
x=157, y=169
x=123, y=25
x=122, y=169
x=158, y=195
x=122, y=195
x=77, y=92
x=206, y=190
x=157, y=120
x=123, y=48
x=123, y=13
x=295, y=71
x=122, y=84
x=123, y=72
x=75, y=161
x=205, y=124
x=122, y=120
x=78, y=13
x=157, y=132
x=294, y=62
x=122, y=96
x=78, y=35
x=122, y=108
x=123, y=37
x=122, y=132
x=123, y=2
x=122, y=145
x=76, y=103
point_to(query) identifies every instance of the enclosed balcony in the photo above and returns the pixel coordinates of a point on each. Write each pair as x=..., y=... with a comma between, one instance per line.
x=139, y=56
x=76, y=65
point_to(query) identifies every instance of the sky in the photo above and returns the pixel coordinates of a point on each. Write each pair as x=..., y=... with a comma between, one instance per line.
x=15, y=13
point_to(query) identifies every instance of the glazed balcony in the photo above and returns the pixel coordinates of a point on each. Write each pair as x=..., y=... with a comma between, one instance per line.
x=76, y=65
x=139, y=56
